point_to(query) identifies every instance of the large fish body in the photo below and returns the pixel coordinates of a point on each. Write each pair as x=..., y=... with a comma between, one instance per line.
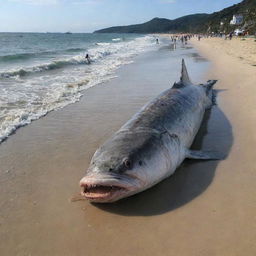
x=150, y=146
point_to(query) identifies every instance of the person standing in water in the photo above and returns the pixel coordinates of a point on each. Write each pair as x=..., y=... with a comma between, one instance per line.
x=87, y=57
x=157, y=41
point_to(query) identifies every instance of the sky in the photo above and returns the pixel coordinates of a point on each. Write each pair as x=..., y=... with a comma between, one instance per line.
x=89, y=15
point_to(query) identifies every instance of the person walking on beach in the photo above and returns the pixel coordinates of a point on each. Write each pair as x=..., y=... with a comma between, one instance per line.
x=186, y=39
x=87, y=57
x=230, y=36
x=175, y=43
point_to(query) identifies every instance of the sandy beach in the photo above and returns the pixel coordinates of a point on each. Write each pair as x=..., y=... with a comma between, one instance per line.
x=205, y=208
x=233, y=64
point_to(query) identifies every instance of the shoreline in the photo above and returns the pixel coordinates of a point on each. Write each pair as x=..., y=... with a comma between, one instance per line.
x=43, y=163
x=57, y=76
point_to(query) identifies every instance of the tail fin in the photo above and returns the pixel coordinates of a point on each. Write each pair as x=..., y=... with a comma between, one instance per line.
x=184, y=79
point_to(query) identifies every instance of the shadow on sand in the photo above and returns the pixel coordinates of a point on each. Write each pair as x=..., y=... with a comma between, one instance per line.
x=189, y=181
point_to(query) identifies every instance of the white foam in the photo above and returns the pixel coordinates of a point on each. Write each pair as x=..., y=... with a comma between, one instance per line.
x=103, y=44
x=116, y=39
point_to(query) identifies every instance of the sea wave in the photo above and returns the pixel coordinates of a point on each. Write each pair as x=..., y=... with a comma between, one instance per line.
x=75, y=49
x=29, y=55
x=21, y=72
x=95, y=54
x=15, y=57
x=102, y=44
x=103, y=50
x=25, y=100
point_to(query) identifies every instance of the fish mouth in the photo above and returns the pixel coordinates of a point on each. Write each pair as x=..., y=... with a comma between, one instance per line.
x=101, y=192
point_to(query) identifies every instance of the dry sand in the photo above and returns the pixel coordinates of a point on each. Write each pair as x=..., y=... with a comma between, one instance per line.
x=235, y=186
x=205, y=208
x=239, y=48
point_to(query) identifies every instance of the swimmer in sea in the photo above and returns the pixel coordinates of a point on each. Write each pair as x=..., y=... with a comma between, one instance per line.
x=87, y=57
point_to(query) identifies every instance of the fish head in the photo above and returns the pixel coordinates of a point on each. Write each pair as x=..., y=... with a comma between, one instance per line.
x=128, y=163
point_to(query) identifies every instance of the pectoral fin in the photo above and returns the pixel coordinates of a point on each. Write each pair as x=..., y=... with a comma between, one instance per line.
x=204, y=155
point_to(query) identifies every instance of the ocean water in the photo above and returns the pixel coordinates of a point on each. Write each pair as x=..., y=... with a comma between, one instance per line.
x=43, y=72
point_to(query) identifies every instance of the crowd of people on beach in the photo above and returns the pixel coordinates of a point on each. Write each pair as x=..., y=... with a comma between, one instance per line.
x=186, y=37
x=182, y=38
x=221, y=35
x=225, y=36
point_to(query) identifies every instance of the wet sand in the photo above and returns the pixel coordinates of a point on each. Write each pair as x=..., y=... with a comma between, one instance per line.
x=205, y=208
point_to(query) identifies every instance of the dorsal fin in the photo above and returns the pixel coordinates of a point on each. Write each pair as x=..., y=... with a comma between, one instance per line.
x=184, y=79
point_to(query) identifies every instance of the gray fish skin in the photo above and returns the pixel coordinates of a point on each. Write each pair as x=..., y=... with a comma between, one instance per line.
x=150, y=146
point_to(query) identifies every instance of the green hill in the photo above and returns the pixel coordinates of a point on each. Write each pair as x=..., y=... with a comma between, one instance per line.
x=195, y=23
x=158, y=25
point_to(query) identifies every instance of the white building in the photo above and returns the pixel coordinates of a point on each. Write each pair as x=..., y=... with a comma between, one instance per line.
x=237, y=19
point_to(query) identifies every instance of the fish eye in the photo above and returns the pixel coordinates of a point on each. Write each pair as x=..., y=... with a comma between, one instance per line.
x=128, y=163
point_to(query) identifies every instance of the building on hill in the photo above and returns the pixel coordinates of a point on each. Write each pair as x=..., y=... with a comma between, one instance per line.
x=237, y=19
